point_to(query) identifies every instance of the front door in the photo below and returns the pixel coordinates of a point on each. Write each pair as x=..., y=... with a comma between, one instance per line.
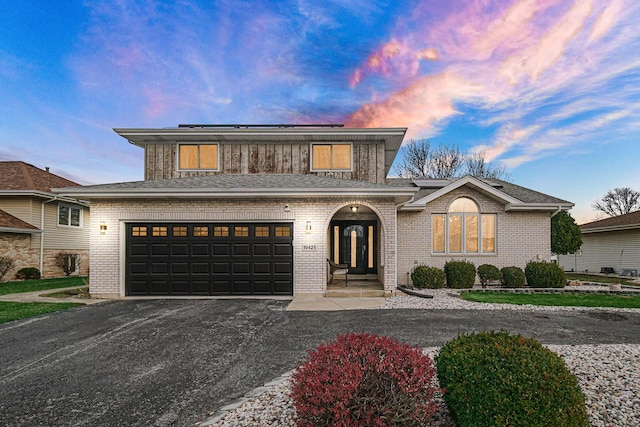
x=354, y=244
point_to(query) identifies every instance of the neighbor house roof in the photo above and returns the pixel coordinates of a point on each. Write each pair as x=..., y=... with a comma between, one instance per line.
x=392, y=137
x=620, y=222
x=11, y=224
x=17, y=175
x=513, y=196
x=240, y=185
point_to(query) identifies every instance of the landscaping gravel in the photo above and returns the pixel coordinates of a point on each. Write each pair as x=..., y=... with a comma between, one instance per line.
x=609, y=375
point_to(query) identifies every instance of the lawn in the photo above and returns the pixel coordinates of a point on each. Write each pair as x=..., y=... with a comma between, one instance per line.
x=41, y=284
x=21, y=310
x=570, y=300
x=599, y=279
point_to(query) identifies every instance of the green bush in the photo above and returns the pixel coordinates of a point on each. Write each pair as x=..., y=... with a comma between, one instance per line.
x=488, y=273
x=28, y=273
x=428, y=277
x=544, y=275
x=460, y=274
x=497, y=379
x=512, y=277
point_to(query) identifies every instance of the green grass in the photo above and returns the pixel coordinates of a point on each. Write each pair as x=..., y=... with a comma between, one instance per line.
x=600, y=279
x=21, y=310
x=570, y=300
x=41, y=284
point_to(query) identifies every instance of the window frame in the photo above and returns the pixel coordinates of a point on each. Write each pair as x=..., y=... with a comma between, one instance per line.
x=71, y=208
x=479, y=215
x=331, y=169
x=198, y=144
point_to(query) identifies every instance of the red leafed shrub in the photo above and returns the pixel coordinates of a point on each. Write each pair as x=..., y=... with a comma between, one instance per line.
x=362, y=379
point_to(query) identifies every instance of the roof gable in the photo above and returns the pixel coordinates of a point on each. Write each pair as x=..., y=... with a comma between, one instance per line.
x=21, y=176
x=513, y=196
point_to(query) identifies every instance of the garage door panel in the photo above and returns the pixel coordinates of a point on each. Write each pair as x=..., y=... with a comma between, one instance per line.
x=262, y=249
x=220, y=259
x=181, y=249
x=221, y=249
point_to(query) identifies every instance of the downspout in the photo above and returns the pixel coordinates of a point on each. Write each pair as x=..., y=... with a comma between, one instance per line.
x=42, y=229
x=557, y=212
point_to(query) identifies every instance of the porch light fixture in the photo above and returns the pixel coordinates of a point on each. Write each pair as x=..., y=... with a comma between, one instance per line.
x=308, y=228
x=287, y=208
x=103, y=227
x=354, y=209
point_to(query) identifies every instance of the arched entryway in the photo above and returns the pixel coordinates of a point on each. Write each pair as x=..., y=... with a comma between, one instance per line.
x=355, y=237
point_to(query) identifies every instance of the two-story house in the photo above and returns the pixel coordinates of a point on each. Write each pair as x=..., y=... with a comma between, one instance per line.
x=228, y=210
x=36, y=225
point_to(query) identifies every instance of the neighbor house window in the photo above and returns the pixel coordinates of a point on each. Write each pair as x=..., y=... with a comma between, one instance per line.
x=69, y=216
x=328, y=157
x=463, y=229
x=198, y=156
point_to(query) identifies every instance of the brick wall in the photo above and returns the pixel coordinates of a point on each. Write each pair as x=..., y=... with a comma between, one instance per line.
x=520, y=236
x=19, y=248
x=310, y=275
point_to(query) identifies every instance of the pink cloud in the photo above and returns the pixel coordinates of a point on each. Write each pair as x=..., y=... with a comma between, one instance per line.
x=607, y=18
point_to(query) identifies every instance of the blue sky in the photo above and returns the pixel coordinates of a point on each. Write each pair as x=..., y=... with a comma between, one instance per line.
x=550, y=88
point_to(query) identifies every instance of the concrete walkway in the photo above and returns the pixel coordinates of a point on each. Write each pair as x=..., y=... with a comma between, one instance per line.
x=304, y=303
x=36, y=296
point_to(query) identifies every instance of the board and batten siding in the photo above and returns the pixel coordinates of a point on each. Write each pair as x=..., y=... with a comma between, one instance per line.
x=615, y=249
x=254, y=158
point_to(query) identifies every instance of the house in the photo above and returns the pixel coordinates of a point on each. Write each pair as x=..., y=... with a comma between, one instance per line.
x=612, y=244
x=37, y=224
x=258, y=210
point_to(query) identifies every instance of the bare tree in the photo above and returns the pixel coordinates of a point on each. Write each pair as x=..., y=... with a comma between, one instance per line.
x=476, y=165
x=419, y=160
x=618, y=201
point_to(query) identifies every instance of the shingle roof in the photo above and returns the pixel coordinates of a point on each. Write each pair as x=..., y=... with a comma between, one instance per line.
x=16, y=175
x=630, y=219
x=237, y=185
x=11, y=222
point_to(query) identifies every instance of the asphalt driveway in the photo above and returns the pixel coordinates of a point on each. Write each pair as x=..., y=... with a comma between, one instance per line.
x=161, y=362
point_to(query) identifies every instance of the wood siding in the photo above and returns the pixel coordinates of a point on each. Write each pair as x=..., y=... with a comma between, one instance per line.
x=283, y=158
x=615, y=249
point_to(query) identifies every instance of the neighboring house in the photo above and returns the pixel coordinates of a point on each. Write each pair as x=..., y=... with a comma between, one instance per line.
x=612, y=243
x=257, y=210
x=37, y=224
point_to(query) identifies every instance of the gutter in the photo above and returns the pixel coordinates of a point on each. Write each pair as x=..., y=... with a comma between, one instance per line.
x=557, y=212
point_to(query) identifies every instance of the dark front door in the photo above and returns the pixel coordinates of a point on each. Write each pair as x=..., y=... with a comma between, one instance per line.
x=354, y=244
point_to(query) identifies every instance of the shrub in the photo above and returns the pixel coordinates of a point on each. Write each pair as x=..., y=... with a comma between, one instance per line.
x=460, y=274
x=428, y=277
x=28, y=273
x=364, y=380
x=512, y=277
x=6, y=264
x=497, y=379
x=488, y=273
x=66, y=261
x=544, y=275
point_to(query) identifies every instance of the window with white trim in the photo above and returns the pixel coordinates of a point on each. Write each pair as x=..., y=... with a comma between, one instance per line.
x=463, y=230
x=198, y=157
x=69, y=216
x=331, y=157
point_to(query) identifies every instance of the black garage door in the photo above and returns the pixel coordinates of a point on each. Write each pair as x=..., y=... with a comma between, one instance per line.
x=209, y=259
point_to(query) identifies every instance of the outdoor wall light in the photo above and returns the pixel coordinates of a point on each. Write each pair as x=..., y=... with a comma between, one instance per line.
x=354, y=209
x=103, y=227
x=287, y=208
x=308, y=228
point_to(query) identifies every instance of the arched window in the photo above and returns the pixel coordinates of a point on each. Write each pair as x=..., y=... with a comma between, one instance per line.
x=463, y=229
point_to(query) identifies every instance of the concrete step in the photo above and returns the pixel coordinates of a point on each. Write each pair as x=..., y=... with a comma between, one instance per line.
x=354, y=293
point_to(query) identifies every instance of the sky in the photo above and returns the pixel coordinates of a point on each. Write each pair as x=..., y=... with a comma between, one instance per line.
x=548, y=88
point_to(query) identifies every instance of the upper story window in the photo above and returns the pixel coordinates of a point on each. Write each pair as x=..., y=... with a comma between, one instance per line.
x=197, y=156
x=331, y=157
x=69, y=216
x=463, y=229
